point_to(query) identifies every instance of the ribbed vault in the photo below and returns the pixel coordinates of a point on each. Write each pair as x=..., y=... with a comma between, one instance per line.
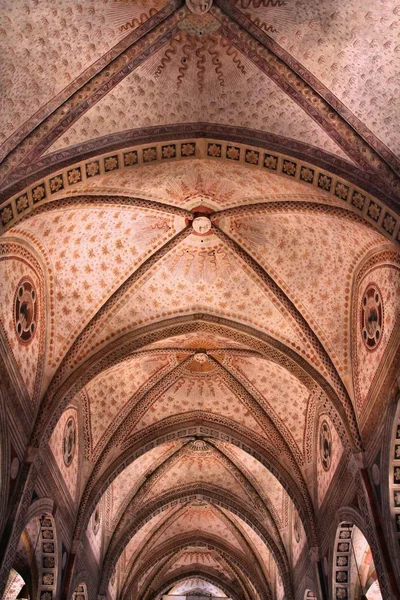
x=200, y=284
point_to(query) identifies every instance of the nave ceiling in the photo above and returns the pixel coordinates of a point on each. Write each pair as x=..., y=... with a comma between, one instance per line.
x=200, y=269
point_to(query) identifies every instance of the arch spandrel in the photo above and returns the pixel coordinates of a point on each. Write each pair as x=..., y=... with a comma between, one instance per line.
x=64, y=445
x=281, y=242
x=207, y=494
x=376, y=293
x=23, y=312
x=86, y=268
x=267, y=484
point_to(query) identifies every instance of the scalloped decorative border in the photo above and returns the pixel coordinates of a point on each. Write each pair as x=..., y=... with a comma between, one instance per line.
x=62, y=181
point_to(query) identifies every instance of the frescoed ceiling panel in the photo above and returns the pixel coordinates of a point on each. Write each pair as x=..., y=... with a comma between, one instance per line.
x=128, y=482
x=351, y=47
x=196, y=556
x=199, y=340
x=140, y=538
x=202, y=519
x=251, y=537
x=110, y=392
x=313, y=257
x=282, y=392
x=268, y=485
x=198, y=465
x=93, y=260
x=206, y=393
x=197, y=78
x=369, y=348
x=44, y=47
x=198, y=276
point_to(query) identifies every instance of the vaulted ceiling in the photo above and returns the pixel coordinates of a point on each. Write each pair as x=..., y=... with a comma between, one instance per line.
x=200, y=202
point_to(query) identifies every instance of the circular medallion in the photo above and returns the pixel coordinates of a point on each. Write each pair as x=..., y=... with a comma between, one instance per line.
x=201, y=225
x=14, y=468
x=325, y=445
x=69, y=441
x=376, y=474
x=372, y=317
x=25, y=310
x=296, y=527
x=96, y=521
x=200, y=357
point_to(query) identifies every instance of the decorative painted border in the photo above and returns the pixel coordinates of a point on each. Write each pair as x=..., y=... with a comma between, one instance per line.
x=342, y=562
x=394, y=478
x=63, y=181
x=80, y=593
x=48, y=570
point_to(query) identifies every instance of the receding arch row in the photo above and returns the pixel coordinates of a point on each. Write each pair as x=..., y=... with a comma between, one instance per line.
x=175, y=327
x=75, y=353
x=199, y=540
x=198, y=426
x=134, y=520
x=288, y=308
x=258, y=507
x=164, y=466
x=180, y=575
x=117, y=351
x=314, y=176
x=147, y=551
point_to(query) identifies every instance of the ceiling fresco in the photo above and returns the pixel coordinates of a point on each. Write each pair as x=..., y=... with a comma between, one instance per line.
x=289, y=246
x=197, y=80
x=75, y=266
x=44, y=48
x=120, y=383
x=338, y=43
x=200, y=281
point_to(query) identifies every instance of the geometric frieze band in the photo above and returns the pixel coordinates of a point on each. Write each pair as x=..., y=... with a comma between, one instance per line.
x=64, y=181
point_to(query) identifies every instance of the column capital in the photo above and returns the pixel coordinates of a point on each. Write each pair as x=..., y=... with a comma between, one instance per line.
x=76, y=546
x=32, y=453
x=314, y=553
x=357, y=461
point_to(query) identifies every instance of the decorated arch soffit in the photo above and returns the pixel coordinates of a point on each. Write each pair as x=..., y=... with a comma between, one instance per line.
x=199, y=220
x=192, y=465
